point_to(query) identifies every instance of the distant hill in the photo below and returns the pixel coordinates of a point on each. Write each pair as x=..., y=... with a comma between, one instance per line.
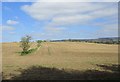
x=107, y=40
x=113, y=38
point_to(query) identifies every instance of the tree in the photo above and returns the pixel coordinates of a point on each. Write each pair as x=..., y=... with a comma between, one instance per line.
x=39, y=43
x=25, y=43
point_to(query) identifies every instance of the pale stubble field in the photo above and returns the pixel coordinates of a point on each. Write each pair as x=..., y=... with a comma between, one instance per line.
x=61, y=55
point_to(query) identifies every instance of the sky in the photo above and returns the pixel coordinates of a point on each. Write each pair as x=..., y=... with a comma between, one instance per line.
x=58, y=20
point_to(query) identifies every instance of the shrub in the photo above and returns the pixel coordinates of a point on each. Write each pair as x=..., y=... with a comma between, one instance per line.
x=39, y=43
x=25, y=43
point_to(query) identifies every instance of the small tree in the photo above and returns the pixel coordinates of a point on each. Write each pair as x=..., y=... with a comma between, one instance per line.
x=25, y=43
x=39, y=43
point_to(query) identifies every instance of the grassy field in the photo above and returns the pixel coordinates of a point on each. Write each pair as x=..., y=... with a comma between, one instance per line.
x=59, y=60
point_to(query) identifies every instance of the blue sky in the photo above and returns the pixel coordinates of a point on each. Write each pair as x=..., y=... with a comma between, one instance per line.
x=59, y=20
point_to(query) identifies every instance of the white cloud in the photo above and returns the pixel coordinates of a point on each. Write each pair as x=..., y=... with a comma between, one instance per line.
x=7, y=28
x=12, y=32
x=67, y=14
x=12, y=22
x=54, y=29
x=110, y=28
x=106, y=30
x=70, y=20
x=46, y=11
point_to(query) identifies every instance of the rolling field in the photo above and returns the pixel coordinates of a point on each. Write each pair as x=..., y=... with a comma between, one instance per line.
x=59, y=55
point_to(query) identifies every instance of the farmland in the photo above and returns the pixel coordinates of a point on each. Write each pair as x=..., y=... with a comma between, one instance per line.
x=78, y=56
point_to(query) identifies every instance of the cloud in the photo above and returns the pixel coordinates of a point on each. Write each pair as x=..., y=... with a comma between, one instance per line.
x=46, y=11
x=48, y=33
x=67, y=14
x=12, y=32
x=7, y=28
x=12, y=22
x=54, y=29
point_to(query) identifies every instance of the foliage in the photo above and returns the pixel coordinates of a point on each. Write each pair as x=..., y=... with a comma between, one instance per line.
x=25, y=43
x=29, y=51
x=39, y=43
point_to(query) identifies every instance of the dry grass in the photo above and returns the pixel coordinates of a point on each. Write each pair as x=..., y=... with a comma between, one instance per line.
x=68, y=55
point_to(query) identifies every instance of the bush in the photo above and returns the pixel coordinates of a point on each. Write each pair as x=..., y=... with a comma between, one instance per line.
x=39, y=43
x=29, y=51
x=25, y=43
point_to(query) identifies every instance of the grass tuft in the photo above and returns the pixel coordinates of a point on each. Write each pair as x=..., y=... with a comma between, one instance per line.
x=27, y=52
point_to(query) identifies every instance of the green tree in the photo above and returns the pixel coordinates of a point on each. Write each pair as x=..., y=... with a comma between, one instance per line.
x=39, y=43
x=25, y=43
